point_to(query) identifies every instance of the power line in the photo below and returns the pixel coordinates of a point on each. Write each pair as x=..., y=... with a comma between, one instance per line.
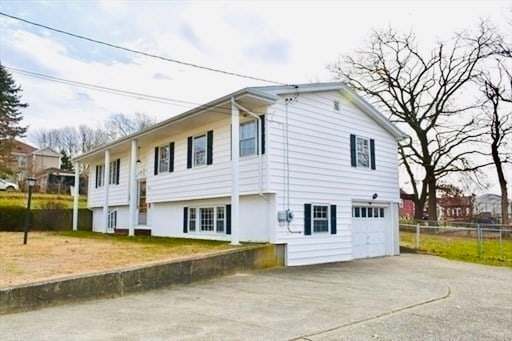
x=142, y=52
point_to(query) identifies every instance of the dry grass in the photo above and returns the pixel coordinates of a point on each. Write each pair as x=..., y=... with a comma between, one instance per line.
x=50, y=255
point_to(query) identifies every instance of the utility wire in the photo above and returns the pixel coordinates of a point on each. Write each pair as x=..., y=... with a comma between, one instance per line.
x=142, y=52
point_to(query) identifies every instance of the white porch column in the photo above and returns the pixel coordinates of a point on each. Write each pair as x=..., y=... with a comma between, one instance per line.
x=132, y=208
x=106, y=178
x=235, y=155
x=76, y=193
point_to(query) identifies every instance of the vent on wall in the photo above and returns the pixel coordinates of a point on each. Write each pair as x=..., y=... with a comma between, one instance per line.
x=336, y=105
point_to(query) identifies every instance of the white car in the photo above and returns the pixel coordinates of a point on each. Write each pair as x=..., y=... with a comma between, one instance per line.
x=8, y=186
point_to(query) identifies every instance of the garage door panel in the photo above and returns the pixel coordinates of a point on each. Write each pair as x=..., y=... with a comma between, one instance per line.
x=368, y=233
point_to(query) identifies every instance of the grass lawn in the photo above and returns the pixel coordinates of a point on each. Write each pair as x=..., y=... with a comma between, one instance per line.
x=461, y=248
x=39, y=200
x=50, y=255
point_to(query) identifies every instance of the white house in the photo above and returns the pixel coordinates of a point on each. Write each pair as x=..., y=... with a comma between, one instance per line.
x=312, y=166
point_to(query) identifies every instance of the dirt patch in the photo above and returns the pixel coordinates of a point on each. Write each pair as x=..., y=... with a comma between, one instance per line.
x=50, y=255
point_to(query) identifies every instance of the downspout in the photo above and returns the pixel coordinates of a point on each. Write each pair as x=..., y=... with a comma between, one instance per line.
x=76, y=192
x=260, y=148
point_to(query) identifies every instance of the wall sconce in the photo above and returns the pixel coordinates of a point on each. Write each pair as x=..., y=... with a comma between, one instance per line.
x=138, y=156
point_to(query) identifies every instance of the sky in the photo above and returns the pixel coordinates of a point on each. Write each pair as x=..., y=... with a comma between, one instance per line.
x=284, y=41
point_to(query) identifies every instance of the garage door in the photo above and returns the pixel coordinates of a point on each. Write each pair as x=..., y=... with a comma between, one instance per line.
x=368, y=231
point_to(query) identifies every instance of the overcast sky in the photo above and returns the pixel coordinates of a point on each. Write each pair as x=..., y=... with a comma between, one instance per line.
x=285, y=41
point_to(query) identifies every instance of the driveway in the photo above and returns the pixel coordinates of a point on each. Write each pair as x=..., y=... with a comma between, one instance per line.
x=410, y=297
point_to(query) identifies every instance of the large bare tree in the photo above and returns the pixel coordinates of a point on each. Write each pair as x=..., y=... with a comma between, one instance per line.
x=422, y=92
x=497, y=120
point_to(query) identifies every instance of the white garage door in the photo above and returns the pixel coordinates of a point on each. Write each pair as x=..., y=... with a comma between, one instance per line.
x=368, y=231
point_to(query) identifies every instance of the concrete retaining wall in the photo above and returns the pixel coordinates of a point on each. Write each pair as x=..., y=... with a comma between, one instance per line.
x=126, y=281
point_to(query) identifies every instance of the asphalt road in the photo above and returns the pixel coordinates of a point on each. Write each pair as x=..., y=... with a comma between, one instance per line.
x=410, y=297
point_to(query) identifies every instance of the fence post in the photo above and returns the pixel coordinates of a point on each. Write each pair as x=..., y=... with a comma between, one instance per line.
x=501, y=242
x=417, y=236
x=479, y=240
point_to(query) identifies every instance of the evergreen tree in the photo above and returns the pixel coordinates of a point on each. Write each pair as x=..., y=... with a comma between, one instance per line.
x=10, y=117
x=65, y=161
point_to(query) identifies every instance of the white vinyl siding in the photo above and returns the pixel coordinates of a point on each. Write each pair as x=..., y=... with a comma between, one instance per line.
x=320, y=170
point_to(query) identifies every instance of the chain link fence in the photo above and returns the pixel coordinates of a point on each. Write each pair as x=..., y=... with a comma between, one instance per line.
x=490, y=241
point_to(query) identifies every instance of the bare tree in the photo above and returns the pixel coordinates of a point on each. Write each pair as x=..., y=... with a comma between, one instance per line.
x=497, y=118
x=420, y=91
x=121, y=125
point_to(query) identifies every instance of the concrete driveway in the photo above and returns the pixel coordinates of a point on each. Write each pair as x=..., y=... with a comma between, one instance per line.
x=410, y=297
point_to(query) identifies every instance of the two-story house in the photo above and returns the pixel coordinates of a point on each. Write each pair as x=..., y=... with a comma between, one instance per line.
x=312, y=166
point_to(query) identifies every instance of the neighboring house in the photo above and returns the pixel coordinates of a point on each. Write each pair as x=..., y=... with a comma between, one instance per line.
x=21, y=163
x=407, y=206
x=456, y=207
x=45, y=158
x=490, y=203
x=312, y=166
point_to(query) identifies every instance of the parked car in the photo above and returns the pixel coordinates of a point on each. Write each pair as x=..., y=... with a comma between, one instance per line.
x=485, y=218
x=8, y=186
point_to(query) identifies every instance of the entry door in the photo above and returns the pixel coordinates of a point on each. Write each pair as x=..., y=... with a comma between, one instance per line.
x=142, y=205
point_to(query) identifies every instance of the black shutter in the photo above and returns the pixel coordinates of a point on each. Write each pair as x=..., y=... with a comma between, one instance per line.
x=171, y=157
x=189, y=152
x=353, y=159
x=155, y=171
x=185, y=219
x=228, y=219
x=307, y=219
x=372, y=153
x=118, y=166
x=209, y=148
x=262, y=117
x=97, y=172
x=333, y=219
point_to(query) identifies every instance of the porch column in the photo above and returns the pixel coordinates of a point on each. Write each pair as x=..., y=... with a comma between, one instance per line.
x=132, y=208
x=76, y=193
x=106, y=178
x=235, y=155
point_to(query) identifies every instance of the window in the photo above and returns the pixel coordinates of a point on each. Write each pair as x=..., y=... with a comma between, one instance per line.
x=220, y=219
x=113, y=177
x=248, y=140
x=367, y=212
x=208, y=219
x=163, y=159
x=363, y=157
x=320, y=218
x=100, y=175
x=199, y=150
x=112, y=219
x=192, y=220
x=22, y=161
x=362, y=152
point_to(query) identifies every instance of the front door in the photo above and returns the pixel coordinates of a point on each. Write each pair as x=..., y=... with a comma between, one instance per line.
x=142, y=205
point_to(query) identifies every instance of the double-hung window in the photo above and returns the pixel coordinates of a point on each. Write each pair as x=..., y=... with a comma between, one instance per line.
x=199, y=150
x=100, y=175
x=163, y=159
x=113, y=177
x=320, y=218
x=248, y=138
x=363, y=152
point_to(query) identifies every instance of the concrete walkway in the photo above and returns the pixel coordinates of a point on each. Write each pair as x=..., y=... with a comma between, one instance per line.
x=410, y=297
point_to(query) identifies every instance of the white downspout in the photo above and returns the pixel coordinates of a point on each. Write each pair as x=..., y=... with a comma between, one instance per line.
x=132, y=208
x=106, y=178
x=76, y=193
x=235, y=158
